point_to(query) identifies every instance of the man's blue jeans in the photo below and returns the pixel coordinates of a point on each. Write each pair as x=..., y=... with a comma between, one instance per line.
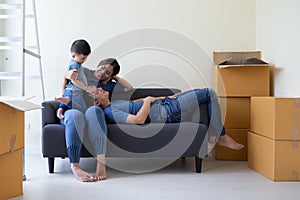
x=190, y=100
x=180, y=109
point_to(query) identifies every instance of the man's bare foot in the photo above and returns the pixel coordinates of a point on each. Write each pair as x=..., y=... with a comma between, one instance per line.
x=80, y=174
x=101, y=169
x=64, y=100
x=59, y=113
x=226, y=141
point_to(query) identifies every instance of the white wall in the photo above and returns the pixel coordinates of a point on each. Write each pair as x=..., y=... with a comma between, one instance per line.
x=213, y=25
x=278, y=36
x=112, y=26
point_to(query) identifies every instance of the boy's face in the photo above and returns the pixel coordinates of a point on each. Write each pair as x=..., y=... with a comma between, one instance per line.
x=103, y=72
x=79, y=58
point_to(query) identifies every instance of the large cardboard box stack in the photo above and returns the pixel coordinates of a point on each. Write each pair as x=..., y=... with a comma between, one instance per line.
x=237, y=77
x=12, y=144
x=273, y=140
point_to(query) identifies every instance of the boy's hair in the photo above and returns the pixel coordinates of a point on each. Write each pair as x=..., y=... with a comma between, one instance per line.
x=112, y=62
x=81, y=47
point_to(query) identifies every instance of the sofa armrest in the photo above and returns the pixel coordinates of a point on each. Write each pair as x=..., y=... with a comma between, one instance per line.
x=49, y=112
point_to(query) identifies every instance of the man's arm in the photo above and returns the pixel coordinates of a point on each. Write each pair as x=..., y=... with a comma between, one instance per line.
x=142, y=115
x=156, y=98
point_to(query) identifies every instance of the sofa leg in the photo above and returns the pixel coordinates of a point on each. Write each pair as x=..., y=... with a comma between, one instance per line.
x=51, y=165
x=198, y=162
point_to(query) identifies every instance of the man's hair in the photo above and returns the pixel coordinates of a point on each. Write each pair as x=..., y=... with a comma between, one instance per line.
x=112, y=62
x=81, y=47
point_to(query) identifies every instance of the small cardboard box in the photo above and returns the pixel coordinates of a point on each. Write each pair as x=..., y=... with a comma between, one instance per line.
x=223, y=153
x=276, y=118
x=11, y=144
x=241, y=74
x=278, y=160
x=235, y=112
x=11, y=174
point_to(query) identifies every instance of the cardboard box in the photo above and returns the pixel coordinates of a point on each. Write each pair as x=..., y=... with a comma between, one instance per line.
x=223, y=153
x=11, y=174
x=278, y=160
x=11, y=144
x=241, y=74
x=275, y=118
x=11, y=129
x=236, y=112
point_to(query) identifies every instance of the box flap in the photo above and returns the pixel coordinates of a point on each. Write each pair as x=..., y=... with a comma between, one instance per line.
x=20, y=104
x=233, y=58
x=235, y=66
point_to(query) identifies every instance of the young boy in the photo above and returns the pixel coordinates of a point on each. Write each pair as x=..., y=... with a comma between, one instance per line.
x=72, y=96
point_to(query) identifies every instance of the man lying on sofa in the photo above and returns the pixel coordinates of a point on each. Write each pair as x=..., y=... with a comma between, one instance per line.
x=172, y=109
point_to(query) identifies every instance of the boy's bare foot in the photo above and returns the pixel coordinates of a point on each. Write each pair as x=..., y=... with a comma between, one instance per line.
x=80, y=174
x=101, y=169
x=59, y=113
x=230, y=143
x=64, y=100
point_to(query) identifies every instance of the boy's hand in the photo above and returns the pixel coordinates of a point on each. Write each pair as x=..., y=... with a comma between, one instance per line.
x=91, y=89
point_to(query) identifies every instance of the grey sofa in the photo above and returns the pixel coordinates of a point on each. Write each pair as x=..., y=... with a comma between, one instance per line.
x=185, y=139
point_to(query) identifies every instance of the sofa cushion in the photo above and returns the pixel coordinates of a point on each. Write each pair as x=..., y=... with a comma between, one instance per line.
x=155, y=139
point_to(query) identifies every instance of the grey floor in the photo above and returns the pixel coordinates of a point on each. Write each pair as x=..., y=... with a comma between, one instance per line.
x=219, y=180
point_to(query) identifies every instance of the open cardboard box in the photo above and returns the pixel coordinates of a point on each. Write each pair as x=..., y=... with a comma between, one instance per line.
x=241, y=74
x=12, y=127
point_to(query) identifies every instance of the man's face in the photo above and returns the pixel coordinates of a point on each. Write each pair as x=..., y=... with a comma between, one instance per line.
x=104, y=72
x=101, y=95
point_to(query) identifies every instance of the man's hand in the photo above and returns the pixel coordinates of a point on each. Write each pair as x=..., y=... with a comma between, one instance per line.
x=149, y=99
x=173, y=96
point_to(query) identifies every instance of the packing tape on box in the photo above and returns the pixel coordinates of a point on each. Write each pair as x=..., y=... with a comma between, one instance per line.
x=12, y=142
x=295, y=175
x=295, y=133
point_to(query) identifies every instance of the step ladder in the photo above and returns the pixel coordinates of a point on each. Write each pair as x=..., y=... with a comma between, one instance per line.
x=19, y=14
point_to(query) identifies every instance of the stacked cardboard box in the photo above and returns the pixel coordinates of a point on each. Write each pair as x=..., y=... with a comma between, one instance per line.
x=237, y=77
x=11, y=145
x=273, y=140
